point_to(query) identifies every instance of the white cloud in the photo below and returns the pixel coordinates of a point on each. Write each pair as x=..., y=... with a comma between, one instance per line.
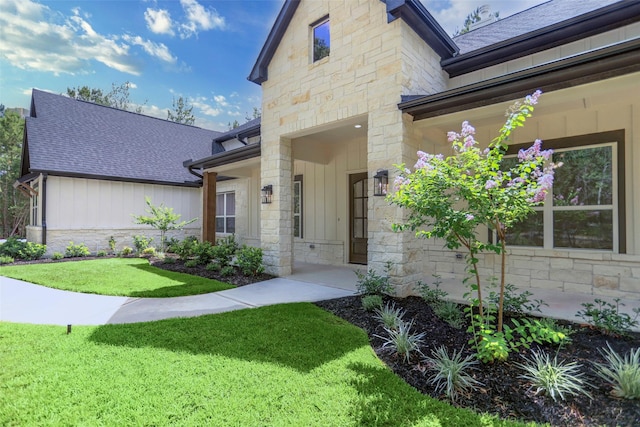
x=36, y=38
x=159, y=21
x=201, y=104
x=221, y=100
x=158, y=50
x=199, y=18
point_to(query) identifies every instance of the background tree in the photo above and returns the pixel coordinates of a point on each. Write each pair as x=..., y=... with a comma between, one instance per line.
x=182, y=112
x=256, y=113
x=14, y=206
x=473, y=17
x=118, y=97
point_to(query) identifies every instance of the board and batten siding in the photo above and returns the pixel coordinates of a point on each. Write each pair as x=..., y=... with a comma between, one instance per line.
x=89, y=211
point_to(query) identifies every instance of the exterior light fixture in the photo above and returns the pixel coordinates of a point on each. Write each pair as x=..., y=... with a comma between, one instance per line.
x=357, y=126
x=267, y=192
x=381, y=183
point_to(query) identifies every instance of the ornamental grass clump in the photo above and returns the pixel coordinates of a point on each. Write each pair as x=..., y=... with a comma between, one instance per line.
x=623, y=373
x=553, y=378
x=390, y=315
x=403, y=341
x=450, y=374
x=450, y=197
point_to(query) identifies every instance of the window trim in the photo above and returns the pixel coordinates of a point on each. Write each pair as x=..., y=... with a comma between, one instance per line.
x=35, y=205
x=617, y=138
x=225, y=215
x=312, y=27
x=299, y=181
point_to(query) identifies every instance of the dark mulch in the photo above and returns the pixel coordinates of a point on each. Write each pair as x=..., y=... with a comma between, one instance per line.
x=503, y=392
x=237, y=278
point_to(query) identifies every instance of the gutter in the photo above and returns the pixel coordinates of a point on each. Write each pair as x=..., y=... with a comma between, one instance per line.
x=600, y=64
x=232, y=156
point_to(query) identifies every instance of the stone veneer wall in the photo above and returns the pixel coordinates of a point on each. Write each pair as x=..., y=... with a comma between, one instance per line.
x=330, y=252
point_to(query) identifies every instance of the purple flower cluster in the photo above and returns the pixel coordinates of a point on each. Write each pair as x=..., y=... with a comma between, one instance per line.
x=464, y=140
x=532, y=153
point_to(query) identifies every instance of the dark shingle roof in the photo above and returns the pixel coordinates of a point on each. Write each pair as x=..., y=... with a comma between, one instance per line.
x=81, y=138
x=252, y=126
x=527, y=21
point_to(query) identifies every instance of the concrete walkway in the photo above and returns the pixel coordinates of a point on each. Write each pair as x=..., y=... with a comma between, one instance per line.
x=28, y=303
x=24, y=302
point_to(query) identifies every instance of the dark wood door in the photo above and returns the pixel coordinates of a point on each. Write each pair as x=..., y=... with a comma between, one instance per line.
x=358, y=227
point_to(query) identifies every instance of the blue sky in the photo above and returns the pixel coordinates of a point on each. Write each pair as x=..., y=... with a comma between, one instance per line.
x=201, y=50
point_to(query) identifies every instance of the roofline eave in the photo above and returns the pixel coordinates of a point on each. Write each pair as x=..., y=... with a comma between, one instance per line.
x=231, y=156
x=593, y=66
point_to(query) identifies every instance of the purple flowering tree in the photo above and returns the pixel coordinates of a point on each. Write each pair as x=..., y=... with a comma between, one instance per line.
x=449, y=197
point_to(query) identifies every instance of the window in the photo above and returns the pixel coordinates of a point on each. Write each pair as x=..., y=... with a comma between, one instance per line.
x=585, y=209
x=321, y=40
x=297, y=206
x=226, y=213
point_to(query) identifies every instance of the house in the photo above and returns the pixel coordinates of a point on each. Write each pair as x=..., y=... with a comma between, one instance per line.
x=352, y=88
x=89, y=167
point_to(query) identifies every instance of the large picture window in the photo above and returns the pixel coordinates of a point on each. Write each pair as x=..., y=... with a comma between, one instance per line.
x=226, y=213
x=585, y=209
x=321, y=40
x=297, y=206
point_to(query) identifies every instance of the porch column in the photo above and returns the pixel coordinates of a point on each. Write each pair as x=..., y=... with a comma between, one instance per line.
x=276, y=218
x=209, y=207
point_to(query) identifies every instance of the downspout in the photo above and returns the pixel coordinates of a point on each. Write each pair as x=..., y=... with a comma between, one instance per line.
x=192, y=172
x=44, y=208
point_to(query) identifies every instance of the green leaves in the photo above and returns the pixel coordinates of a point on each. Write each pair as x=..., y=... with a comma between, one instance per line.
x=161, y=218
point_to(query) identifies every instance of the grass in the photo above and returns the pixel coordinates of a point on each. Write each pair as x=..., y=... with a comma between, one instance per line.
x=284, y=365
x=132, y=277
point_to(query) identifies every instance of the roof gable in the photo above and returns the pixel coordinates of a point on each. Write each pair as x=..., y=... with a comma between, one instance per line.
x=76, y=138
x=411, y=11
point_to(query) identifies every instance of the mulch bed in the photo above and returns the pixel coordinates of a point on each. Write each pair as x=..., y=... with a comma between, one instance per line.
x=503, y=392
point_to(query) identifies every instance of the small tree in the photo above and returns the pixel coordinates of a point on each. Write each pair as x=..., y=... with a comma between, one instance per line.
x=451, y=196
x=181, y=112
x=162, y=218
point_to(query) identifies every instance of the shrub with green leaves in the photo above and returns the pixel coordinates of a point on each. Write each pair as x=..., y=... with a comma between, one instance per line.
x=192, y=263
x=389, y=315
x=101, y=253
x=162, y=218
x=112, y=244
x=227, y=271
x=141, y=243
x=5, y=259
x=213, y=266
x=12, y=247
x=403, y=341
x=32, y=251
x=126, y=251
x=185, y=249
x=451, y=373
x=553, y=378
x=371, y=302
x=57, y=255
x=203, y=252
x=169, y=260
x=76, y=250
x=622, y=372
x=224, y=250
x=148, y=252
x=372, y=283
x=450, y=312
x=517, y=302
x=607, y=316
x=432, y=295
x=249, y=260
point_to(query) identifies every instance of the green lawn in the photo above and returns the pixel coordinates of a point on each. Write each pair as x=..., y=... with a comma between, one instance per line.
x=284, y=365
x=132, y=277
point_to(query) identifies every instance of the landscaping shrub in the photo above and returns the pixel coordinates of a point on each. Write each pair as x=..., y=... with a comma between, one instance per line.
x=249, y=260
x=169, y=260
x=371, y=302
x=32, y=251
x=371, y=283
x=224, y=250
x=227, y=271
x=389, y=315
x=75, y=251
x=5, y=259
x=607, y=317
x=101, y=253
x=141, y=243
x=431, y=295
x=112, y=244
x=192, y=263
x=203, y=252
x=12, y=247
x=403, y=341
x=126, y=251
x=148, y=252
x=450, y=312
x=517, y=303
x=185, y=248
x=57, y=255
x=213, y=266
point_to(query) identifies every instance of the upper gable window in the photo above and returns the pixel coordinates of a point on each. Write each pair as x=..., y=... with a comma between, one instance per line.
x=321, y=40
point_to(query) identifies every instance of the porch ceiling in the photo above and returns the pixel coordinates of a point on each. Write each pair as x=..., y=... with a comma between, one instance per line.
x=319, y=145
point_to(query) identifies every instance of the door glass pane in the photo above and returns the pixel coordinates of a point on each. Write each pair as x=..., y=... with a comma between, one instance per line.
x=358, y=205
x=296, y=226
x=590, y=229
x=358, y=228
x=358, y=189
x=296, y=197
x=528, y=232
x=585, y=177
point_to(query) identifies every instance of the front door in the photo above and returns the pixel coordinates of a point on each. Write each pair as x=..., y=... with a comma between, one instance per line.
x=358, y=187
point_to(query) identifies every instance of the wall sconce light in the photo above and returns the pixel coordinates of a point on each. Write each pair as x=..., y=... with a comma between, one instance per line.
x=267, y=192
x=381, y=183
